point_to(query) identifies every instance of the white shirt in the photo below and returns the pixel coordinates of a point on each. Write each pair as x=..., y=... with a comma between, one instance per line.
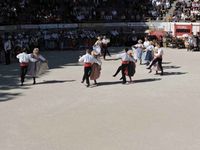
x=7, y=45
x=146, y=44
x=139, y=45
x=160, y=52
x=23, y=57
x=132, y=59
x=123, y=56
x=87, y=58
x=150, y=48
x=105, y=41
x=40, y=57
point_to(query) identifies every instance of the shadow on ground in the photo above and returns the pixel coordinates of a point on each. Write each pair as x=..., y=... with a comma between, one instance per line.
x=135, y=81
x=174, y=73
x=55, y=81
x=171, y=67
x=147, y=80
x=8, y=96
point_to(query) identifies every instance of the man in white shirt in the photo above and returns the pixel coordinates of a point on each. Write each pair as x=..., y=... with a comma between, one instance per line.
x=88, y=60
x=23, y=60
x=157, y=58
x=7, y=49
x=105, y=42
x=124, y=64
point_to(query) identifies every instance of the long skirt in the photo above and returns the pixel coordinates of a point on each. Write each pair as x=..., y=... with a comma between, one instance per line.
x=149, y=56
x=139, y=53
x=96, y=71
x=130, y=71
x=36, y=69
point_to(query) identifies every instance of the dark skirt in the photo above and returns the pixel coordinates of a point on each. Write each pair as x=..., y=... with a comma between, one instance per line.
x=149, y=56
x=131, y=69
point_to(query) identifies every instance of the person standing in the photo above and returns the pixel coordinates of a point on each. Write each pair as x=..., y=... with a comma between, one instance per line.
x=88, y=60
x=149, y=53
x=24, y=59
x=105, y=42
x=35, y=67
x=97, y=47
x=157, y=59
x=96, y=68
x=146, y=42
x=131, y=66
x=7, y=50
x=139, y=50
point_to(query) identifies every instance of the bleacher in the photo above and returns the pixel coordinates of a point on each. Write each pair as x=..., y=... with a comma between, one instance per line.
x=77, y=11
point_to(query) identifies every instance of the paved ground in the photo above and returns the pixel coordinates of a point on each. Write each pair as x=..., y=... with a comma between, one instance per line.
x=60, y=113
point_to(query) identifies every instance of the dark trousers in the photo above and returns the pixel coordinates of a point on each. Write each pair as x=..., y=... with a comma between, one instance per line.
x=105, y=50
x=159, y=60
x=118, y=70
x=23, y=71
x=124, y=67
x=87, y=72
x=7, y=57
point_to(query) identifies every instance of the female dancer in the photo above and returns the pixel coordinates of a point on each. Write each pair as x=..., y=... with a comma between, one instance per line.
x=35, y=67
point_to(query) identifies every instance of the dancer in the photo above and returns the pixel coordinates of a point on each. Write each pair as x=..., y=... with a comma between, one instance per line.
x=124, y=64
x=157, y=58
x=88, y=60
x=149, y=53
x=97, y=47
x=131, y=66
x=130, y=70
x=105, y=42
x=24, y=59
x=96, y=68
x=139, y=50
x=38, y=64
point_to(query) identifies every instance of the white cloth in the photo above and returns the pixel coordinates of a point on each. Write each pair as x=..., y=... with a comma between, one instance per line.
x=132, y=59
x=146, y=44
x=139, y=45
x=7, y=45
x=97, y=49
x=87, y=58
x=123, y=56
x=160, y=52
x=105, y=41
x=34, y=59
x=23, y=57
x=150, y=48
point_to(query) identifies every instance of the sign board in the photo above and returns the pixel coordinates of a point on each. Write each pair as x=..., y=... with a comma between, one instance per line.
x=182, y=29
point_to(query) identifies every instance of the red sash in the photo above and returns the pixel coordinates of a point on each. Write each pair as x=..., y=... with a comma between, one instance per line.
x=125, y=62
x=87, y=64
x=23, y=64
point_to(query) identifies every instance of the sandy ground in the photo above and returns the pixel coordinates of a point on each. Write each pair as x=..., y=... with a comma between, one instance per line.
x=59, y=113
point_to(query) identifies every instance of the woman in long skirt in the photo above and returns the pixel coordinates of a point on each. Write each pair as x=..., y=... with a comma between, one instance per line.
x=38, y=65
x=96, y=68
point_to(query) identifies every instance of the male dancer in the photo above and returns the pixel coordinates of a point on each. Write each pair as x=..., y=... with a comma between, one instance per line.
x=23, y=60
x=105, y=42
x=88, y=60
x=124, y=64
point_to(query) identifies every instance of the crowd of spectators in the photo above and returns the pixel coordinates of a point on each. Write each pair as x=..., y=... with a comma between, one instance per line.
x=187, y=10
x=59, y=39
x=70, y=11
x=74, y=39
